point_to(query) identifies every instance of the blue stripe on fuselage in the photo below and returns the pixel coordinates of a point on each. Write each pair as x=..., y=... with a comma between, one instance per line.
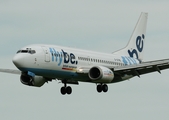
x=50, y=73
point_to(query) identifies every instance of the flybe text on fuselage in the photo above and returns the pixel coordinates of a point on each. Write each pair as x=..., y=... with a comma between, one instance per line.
x=63, y=57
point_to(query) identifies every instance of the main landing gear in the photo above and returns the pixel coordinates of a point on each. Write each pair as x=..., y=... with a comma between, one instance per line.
x=102, y=87
x=66, y=89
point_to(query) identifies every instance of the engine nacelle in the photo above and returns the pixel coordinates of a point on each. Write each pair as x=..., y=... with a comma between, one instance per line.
x=36, y=81
x=100, y=74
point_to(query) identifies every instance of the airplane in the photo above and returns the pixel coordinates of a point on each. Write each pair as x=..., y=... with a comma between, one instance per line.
x=41, y=63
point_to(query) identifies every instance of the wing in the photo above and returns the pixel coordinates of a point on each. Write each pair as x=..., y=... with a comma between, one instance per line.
x=143, y=68
x=10, y=71
x=122, y=73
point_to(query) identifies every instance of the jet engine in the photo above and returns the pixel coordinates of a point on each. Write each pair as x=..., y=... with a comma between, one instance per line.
x=100, y=74
x=36, y=81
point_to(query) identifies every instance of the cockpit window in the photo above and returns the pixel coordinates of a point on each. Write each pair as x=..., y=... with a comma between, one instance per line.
x=27, y=51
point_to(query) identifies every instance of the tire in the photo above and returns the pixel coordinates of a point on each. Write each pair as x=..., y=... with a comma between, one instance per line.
x=99, y=88
x=68, y=90
x=63, y=90
x=105, y=88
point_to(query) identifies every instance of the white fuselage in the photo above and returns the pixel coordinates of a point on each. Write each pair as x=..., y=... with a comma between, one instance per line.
x=62, y=62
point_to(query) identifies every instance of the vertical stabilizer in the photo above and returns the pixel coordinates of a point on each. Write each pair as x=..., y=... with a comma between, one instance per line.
x=135, y=46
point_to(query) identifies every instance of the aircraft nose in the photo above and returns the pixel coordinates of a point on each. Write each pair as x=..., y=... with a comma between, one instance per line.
x=18, y=60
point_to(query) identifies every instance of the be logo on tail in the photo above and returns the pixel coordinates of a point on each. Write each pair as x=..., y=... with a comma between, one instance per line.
x=139, y=47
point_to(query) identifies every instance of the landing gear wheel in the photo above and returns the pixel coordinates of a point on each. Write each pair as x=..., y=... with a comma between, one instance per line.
x=99, y=88
x=105, y=88
x=63, y=90
x=68, y=90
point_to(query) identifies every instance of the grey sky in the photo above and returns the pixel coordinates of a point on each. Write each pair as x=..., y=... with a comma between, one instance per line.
x=103, y=26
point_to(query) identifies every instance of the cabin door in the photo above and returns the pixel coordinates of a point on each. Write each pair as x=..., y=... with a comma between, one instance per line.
x=47, y=55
